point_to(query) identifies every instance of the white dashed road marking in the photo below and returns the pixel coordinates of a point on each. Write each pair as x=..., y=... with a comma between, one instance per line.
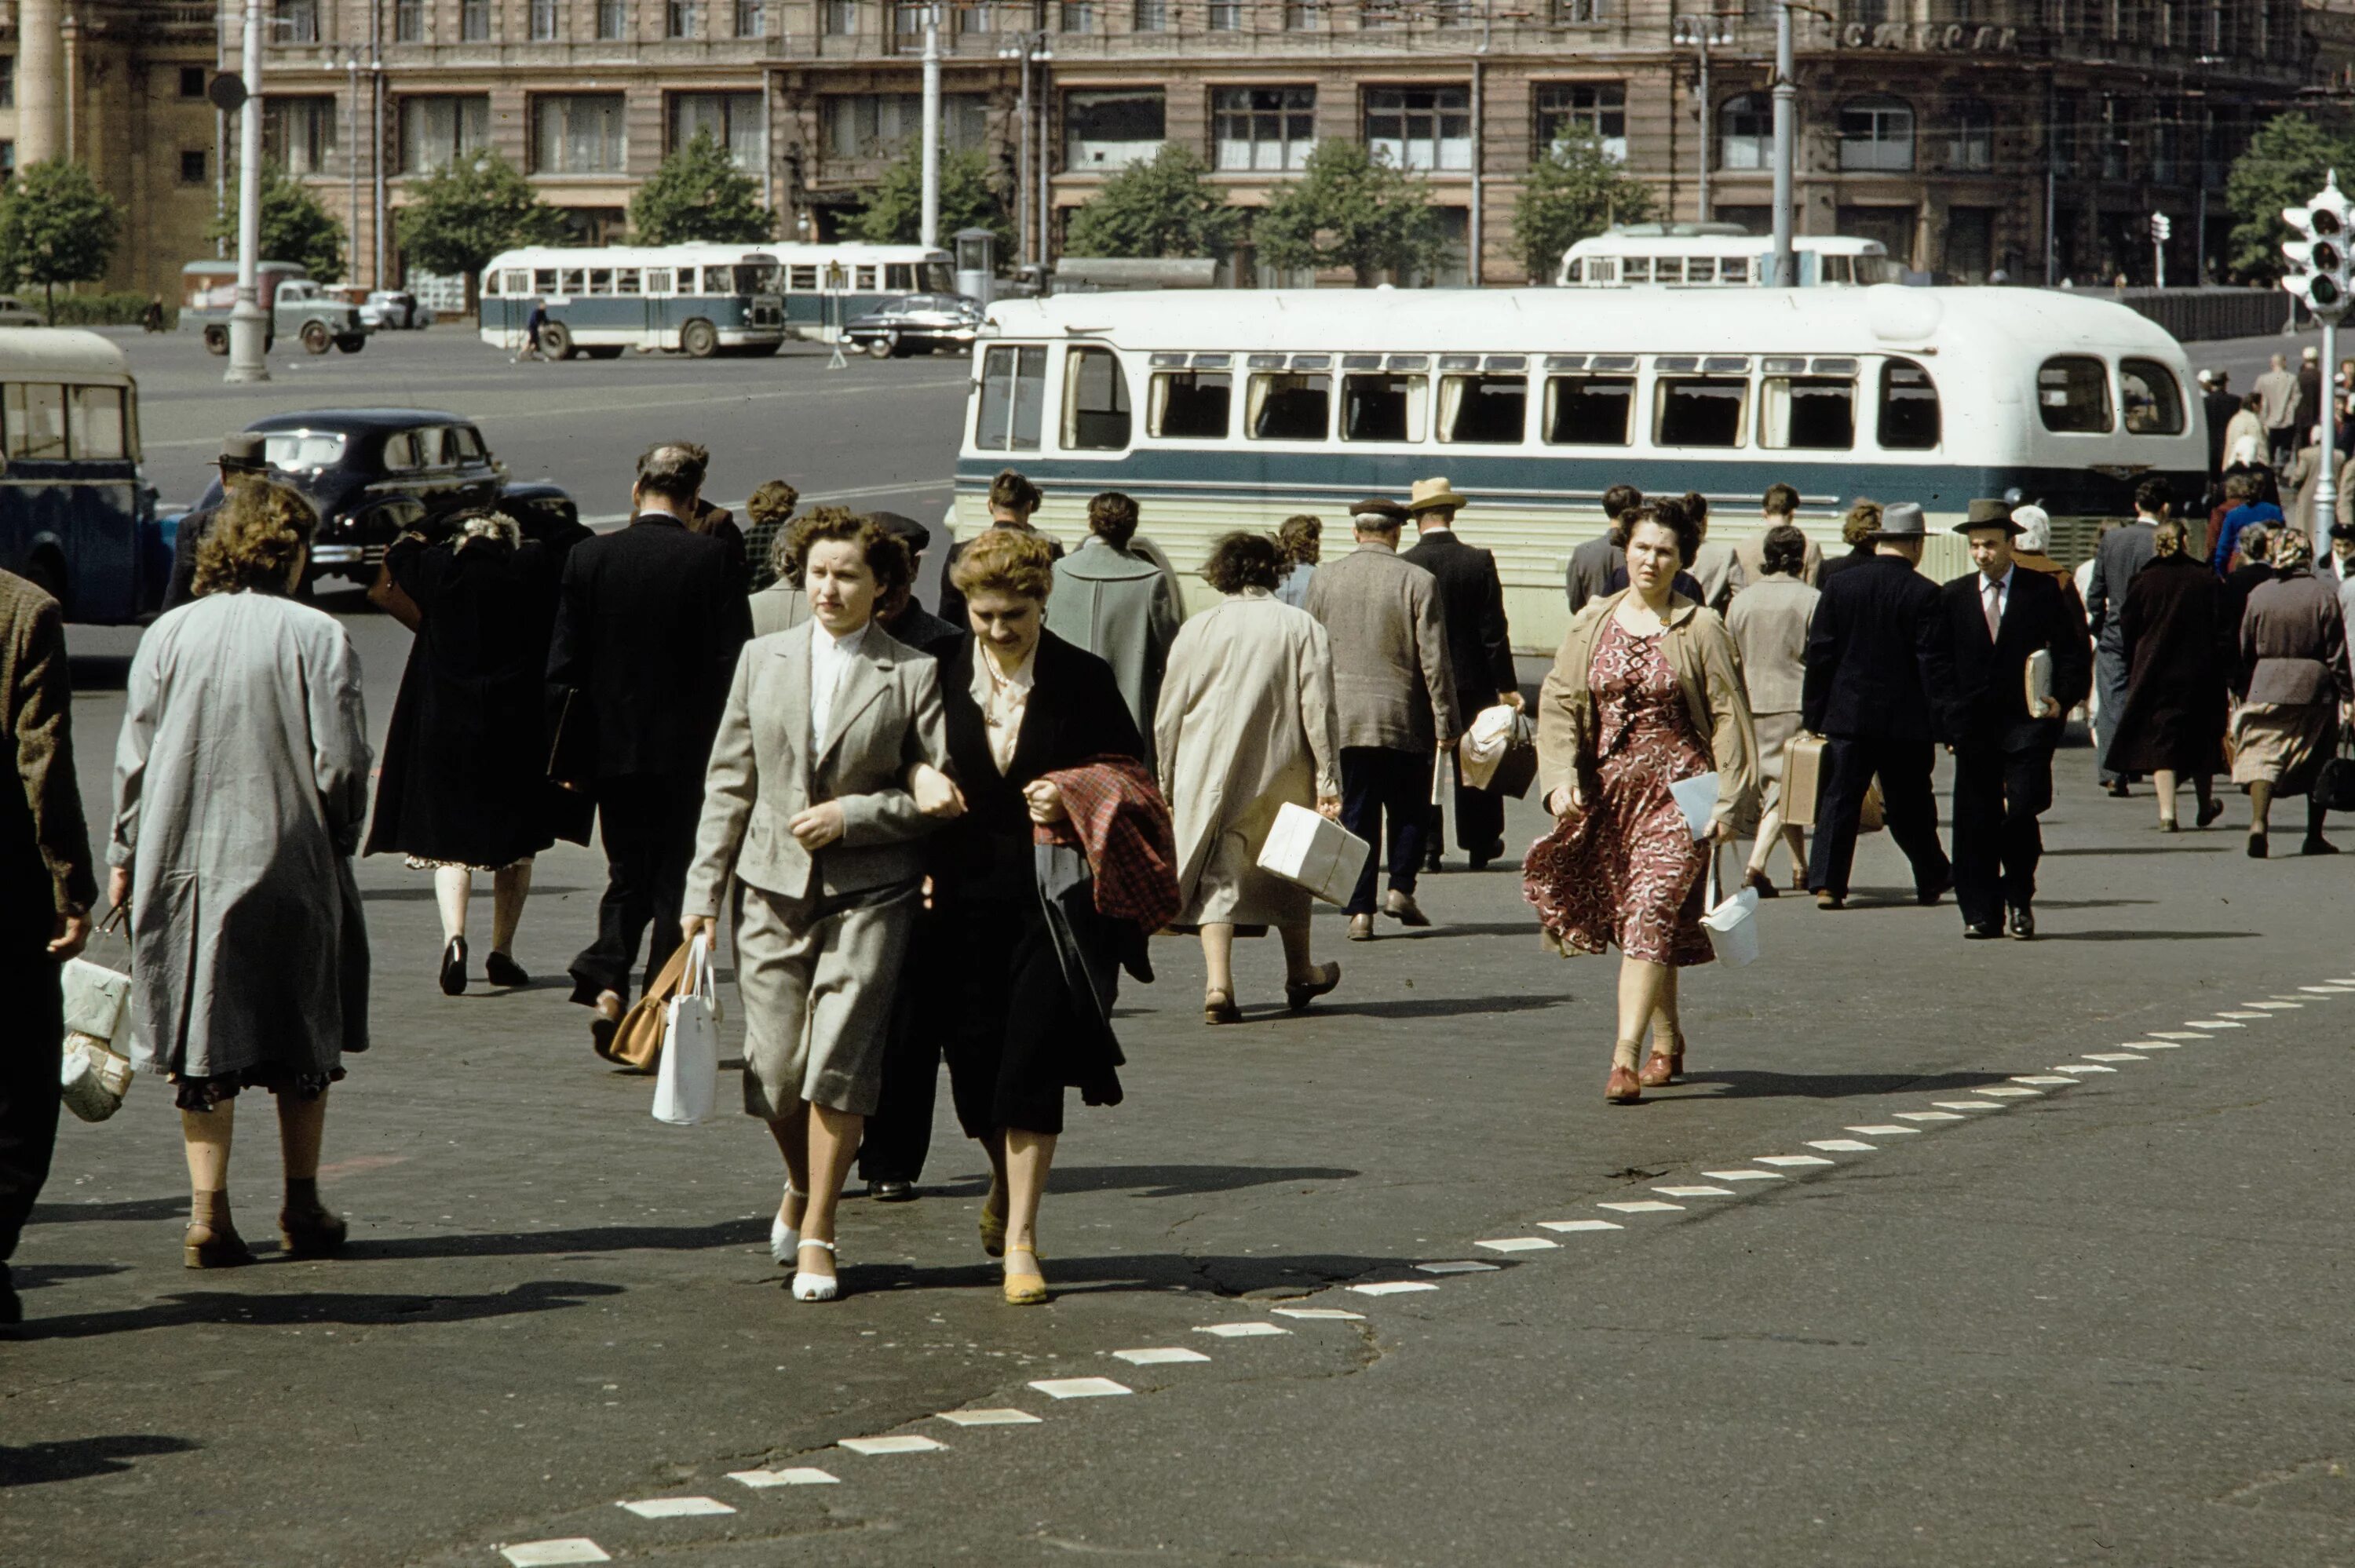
x=1456, y=1266
x=1967, y=1104
x=1568, y=1226
x=1928, y=1116
x=550, y=1553
x=1643, y=1206
x=1081, y=1387
x=675, y=1508
x=988, y=1418
x=2081, y=1067
x=1241, y=1330
x=799, y=1476
x=1517, y=1244
x=1695, y=1191
x=1159, y=1356
x=1393, y=1286
x=2114, y=1056
x=1742, y=1175
x=1319, y=1313
x=907, y=1442
x=1840, y=1145
x=1883, y=1129
x=1791, y=1160
x=2009, y=1094
x=2042, y=1079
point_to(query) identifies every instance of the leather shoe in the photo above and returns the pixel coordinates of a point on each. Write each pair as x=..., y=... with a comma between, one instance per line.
x=1927, y=898
x=1763, y=884
x=1982, y=930
x=1622, y=1088
x=2210, y=811
x=1402, y=908
x=1657, y=1070
x=2317, y=844
x=892, y=1191
x=2023, y=922
x=1361, y=927
x=1827, y=899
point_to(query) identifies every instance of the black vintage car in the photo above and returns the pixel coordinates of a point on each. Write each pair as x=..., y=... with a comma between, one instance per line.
x=376, y=472
x=917, y=323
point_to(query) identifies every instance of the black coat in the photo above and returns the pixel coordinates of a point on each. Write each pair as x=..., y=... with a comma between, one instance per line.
x=2239, y=584
x=1876, y=653
x=1984, y=702
x=648, y=624
x=1472, y=611
x=2180, y=650
x=1834, y=565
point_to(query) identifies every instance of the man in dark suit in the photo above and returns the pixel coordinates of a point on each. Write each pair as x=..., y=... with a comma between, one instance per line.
x=648, y=625
x=1997, y=617
x=1876, y=656
x=2220, y=404
x=1479, y=650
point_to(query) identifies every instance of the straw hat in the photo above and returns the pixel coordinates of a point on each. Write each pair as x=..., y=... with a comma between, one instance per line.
x=1429, y=494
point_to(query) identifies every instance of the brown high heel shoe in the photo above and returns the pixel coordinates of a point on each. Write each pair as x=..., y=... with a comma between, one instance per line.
x=1299, y=994
x=202, y=1246
x=1658, y=1069
x=1219, y=1007
x=1621, y=1088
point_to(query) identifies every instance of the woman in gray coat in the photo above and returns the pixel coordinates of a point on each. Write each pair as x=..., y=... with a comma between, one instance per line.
x=1119, y=605
x=1769, y=621
x=808, y=802
x=240, y=788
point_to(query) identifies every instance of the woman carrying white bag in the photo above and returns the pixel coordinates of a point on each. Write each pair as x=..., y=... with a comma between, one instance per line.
x=807, y=802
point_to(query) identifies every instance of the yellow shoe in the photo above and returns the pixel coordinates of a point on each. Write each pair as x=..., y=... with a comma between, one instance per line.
x=1025, y=1288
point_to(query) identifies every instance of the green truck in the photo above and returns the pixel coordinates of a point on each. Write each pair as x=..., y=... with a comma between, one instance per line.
x=298, y=307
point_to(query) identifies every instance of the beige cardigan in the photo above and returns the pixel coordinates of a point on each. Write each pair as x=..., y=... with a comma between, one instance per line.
x=1708, y=672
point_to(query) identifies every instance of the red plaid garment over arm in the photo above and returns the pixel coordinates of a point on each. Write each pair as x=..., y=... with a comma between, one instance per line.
x=1120, y=821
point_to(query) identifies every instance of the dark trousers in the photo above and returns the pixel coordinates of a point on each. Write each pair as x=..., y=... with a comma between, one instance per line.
x=899, y=1133
x=1999, y=795
x=28, y=1090
x=1908, y=807
x=1376, y=780
x=1479, y=814
x=647, y=822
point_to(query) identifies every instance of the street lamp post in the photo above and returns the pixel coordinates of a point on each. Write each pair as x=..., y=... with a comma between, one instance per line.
x=248, y=326
x=929, y=229
x=1700, y=32
x=2321, y=275
x=1786, y=144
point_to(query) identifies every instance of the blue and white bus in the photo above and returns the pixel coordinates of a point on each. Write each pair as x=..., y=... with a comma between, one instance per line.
x=1718, y=255
x=75, y=516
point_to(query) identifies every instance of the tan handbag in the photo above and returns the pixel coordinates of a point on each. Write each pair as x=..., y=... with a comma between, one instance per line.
x=636, y=1042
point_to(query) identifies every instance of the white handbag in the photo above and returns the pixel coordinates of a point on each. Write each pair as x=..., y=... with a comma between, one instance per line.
x=686, y=1086
x=1733, y=925
x=94, y=1076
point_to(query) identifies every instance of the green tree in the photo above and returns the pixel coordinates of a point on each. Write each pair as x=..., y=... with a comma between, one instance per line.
x=1350, y=209
x=1577, y=190
x=1166, y=207
x=700, y=194
x=295, y=226
x=2285, y=166
x=56, y=226
x=894, y=213
x=461, y=215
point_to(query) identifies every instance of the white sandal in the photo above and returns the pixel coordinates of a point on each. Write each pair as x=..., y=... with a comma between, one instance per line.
x=816, y=1286
x=785, y=1242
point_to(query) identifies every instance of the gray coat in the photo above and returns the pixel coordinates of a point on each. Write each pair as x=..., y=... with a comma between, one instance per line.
x=1392, y=681
x=1121, y=608
x=2122, y=553
x=1590, y=567
x=779, y=607
x=1769, y=620
x=240, y=788
x=887, y=716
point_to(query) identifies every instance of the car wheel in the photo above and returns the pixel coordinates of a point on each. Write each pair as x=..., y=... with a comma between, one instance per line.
x=698, y=340
x=215, y=340
x=555, y=341
x=352, y=344
x=316, y=338
x=882, y=347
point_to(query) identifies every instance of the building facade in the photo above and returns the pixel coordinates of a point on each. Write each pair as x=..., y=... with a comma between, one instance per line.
x=2034, y=137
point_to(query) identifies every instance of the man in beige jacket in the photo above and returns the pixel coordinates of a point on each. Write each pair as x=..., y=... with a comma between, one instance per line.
x=1396, y=694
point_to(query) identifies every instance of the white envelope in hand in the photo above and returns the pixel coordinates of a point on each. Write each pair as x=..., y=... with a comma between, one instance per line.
x=1697, y=797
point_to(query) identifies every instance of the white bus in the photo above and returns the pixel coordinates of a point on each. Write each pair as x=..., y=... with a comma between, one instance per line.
x=1230, y=410
x=1717, y=255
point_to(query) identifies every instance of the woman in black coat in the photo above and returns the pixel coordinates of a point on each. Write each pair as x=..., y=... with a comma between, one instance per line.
x=2179, y=653
x=1024, y=1010
x=465, y=787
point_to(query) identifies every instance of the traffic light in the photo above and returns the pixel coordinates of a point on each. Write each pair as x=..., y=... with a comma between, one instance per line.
x=2320, y=270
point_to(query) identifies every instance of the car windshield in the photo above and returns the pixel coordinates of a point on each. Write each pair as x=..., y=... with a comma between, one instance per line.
x=303, y=451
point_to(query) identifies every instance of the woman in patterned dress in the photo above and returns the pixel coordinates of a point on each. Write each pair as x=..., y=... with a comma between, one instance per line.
x=1645, y=690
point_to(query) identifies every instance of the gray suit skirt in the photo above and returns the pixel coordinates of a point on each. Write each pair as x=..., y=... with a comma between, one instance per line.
x=818, y=977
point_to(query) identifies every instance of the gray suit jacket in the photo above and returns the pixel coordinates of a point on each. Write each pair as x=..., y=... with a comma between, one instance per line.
x=2122, y=553
x=887, y=716
x=1392, y=681
x=1591, y=566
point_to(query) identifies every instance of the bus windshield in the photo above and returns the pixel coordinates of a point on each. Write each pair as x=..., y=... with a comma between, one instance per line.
x=938, y=278
x=756, y=280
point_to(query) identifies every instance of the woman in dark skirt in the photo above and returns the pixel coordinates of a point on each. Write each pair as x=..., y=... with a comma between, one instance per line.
x=1018, y=1025
x=2179, y=650
x=465, y=784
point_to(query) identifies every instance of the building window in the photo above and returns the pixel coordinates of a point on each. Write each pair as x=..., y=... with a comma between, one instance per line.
x=1971, y=149
x=1876, y=135
x=877, y=124
x=751, y=18
x=1225, y=16
x=438, y=132
x=1304, y=16
x=408, y=21
x=732, y=119
x=1420, y=127
x=579, y=133
x=192, y=166
x=7, y=161
x=1600, y=107
x=682, y=19
x=1745, y=132
x=1263, y=127
x=1453, y=13
x=298, y=22
x=1584, y=13
x=475, y=21
x=543, y=20
x=1111, y=129
x=2061, y=136
x=298, y=134
x=612, y=19
x=192, y=83
x=1152, y=16
x=2117, y=137
x=981, y=20
x=842, y=18
x=1079, y=16
x=8, y=81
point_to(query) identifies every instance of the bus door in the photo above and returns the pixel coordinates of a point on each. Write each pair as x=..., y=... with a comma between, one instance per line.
x=661, y=316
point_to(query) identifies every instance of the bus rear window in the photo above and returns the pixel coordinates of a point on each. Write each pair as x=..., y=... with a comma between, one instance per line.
x=1095, y=402
x=1289, y=408
x=2073, y=394
x=1909, y=407
x=1810, y=413
x=2154, y=404
x=1699, y=410
x=1013, y=394
x=35, y=416
x=94, y=418
x=1590, y=410
x=1382, y=407
x=1190, y=405
x=1484, y=411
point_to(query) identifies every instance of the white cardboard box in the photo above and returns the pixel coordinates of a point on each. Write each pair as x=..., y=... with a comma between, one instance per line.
x=1322, y=856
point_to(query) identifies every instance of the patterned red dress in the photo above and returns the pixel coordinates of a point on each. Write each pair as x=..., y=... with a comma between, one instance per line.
x=1627, y=869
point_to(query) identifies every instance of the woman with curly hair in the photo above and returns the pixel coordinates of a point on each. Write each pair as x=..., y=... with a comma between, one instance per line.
x=240, y=786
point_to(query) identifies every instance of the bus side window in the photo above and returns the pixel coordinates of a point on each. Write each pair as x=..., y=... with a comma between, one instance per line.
x=1733, y=270
x=1699, y=410
x=1701, y=269
x=2154, y=402
x=519, y=283
x=804, y=280
x=1095, y=402
x=864, y=278
x=1810, y=413
x=576, y=280
x=1909, y=407
x=1013, y=392
x=899, y=278
x=1382, y=407
x=95, y=416
x=1836, y=269
x=658, y=280
x=625, y=279
x=1488, y=411
x=1290, y=408
x=1635, y=270
x=1588, y=410
x=35, y=417
x=1190, y=405
x=543, y=281
x=2073, y=394
x=1668, y=269
x=1576, y=271
x=600, y=280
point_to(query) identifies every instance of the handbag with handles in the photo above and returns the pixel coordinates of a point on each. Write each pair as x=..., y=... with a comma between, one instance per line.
x=94, y=1076
x=2334, y=787
x=1733, y=925
x=686, y=1089
x=636, y=1042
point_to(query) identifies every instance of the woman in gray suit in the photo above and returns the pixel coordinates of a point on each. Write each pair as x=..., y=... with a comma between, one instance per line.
x=807, y=800
x=1769, y=620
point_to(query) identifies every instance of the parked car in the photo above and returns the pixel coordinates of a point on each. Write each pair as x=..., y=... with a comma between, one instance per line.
x=374, y=473
x=394, y=309
x=14, y=311
x=917, y=323
x=298, y=306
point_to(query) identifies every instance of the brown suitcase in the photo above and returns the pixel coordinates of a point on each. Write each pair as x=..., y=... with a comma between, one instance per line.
x=1803, y=779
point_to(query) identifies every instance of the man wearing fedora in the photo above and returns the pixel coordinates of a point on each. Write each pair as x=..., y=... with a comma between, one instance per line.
x=1479, y=650
x=1876, y=659
x=1396, y=692
x=244, y=455
x=1997, y=618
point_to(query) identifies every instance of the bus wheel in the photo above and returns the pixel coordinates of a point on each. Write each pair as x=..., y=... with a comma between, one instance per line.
x=316, y=338
x=555, y=341
x=215, y=340
x=46, y=571
x=699, y=339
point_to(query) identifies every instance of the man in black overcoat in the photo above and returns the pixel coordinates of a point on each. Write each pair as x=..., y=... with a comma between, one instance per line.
x=1479, y=649
x=1876, y=653
x=1997, y=617
x=649, y=621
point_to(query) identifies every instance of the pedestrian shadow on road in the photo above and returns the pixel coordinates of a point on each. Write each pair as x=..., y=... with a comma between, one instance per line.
x=122, y=1209
x=2141, y=935
x=2138, y=849
x=231, y=1309
x=76, y=1458
x=423, y=892
x=602, y=1238
x=1744, y=1086
x=34, y=1276
x=1185, y=1181
x=1422, y=1007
